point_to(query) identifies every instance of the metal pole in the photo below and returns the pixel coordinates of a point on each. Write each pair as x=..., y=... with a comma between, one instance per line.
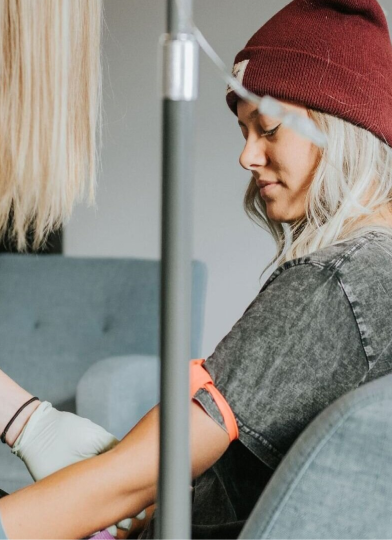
x=180, y=65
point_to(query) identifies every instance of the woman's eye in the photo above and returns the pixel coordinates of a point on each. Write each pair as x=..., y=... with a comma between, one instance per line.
x=270, y=133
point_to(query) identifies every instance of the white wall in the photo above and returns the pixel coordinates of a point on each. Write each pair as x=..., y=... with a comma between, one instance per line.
x=127, y=221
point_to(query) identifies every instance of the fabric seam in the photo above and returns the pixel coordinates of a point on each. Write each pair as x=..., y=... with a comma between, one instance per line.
x=291, y=264
x=258, y=436
x=356, y=317
x=336, y=262
x=204, y=392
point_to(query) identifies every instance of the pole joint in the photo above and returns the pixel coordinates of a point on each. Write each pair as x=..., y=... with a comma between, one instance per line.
x=180, y=67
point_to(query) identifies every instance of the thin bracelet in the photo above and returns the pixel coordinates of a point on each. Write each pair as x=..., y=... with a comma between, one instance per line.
x=2, y=438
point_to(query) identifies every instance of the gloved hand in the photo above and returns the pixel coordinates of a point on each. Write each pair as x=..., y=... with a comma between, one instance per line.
x=52, y=439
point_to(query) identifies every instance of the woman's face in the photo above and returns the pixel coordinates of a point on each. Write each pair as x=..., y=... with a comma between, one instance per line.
x=281, y=156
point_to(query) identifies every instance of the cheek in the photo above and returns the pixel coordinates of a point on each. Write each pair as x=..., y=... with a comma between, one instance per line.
x=300, y=160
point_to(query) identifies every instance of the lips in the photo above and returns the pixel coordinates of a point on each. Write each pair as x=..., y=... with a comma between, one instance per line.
x=267, y=187
x=264, y=183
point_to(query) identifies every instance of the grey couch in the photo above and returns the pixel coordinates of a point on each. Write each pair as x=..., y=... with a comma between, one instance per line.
x=83, y=333
x=336, y=479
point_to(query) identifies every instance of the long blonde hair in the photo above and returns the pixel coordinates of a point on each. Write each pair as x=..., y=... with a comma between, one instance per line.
x=353, y=160
x=50, y=112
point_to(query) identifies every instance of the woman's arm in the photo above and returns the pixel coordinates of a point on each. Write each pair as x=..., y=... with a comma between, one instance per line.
x=91, y=495
x=39, y=435
x=12, y=397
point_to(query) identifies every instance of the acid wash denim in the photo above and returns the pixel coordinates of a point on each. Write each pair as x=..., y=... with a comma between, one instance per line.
x=320, y=326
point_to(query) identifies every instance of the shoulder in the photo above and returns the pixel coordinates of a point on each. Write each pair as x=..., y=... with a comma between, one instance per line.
x=352, y=276
x=366, y=254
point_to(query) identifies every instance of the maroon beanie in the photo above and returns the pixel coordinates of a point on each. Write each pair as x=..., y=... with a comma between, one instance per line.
x=333, y=56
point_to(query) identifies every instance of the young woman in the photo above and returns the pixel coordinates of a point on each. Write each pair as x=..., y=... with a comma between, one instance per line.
x=321, y=324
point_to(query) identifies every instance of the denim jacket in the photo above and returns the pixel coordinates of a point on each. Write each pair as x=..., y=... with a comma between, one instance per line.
x=320, y=326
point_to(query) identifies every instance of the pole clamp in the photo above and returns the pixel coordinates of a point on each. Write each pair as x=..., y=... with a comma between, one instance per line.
x=180, y=55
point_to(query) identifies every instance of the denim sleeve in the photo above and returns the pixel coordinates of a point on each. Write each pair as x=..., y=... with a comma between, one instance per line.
x=296, y=349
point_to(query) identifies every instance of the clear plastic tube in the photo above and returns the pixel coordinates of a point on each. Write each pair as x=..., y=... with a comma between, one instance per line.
x=266, y=105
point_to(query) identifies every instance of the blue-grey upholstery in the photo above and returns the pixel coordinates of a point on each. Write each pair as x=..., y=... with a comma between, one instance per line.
x=132, y=384
x=61, y=316
x=336, y=479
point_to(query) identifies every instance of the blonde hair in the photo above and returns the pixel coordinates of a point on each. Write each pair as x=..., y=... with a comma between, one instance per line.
x=50, y=109
x=353, y=161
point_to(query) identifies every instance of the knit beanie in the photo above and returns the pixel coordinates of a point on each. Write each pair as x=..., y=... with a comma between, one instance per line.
x=334, y=56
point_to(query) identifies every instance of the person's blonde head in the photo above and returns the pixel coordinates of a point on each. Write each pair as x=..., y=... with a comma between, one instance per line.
x=351, y=183
x=50, y=112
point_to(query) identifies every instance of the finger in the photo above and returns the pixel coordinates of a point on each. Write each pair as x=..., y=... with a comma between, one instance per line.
x=125, y=524
x=112, y=530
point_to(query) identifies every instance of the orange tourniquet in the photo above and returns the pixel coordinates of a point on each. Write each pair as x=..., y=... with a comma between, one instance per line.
x=200, y=378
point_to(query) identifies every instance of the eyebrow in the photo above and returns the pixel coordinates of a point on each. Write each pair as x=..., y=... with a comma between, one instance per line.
x=251, y=116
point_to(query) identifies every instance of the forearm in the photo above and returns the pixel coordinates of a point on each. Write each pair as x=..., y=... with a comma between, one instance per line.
x=90, y=495
x=95, y=493
x=12, y=397
x=73, y=503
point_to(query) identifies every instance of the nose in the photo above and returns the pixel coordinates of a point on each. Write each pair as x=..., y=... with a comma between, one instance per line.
x=254, y=154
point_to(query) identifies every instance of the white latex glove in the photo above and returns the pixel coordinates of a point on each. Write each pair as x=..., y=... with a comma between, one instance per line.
x=52, y=439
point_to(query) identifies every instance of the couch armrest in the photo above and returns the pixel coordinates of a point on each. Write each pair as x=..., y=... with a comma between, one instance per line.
x=117, y=392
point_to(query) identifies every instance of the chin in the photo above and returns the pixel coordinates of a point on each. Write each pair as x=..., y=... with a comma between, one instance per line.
x=282, y=217
x=278, y=218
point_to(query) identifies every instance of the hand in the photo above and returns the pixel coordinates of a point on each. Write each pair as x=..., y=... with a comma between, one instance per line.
x=137, y=524
x=52, y=439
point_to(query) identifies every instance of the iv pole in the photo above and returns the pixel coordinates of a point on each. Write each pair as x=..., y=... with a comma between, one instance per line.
x=180, y=74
